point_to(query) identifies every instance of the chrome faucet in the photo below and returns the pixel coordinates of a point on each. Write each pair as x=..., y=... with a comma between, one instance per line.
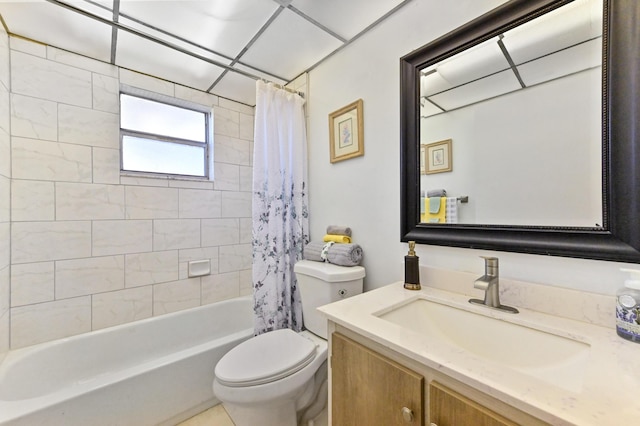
x=489, y=282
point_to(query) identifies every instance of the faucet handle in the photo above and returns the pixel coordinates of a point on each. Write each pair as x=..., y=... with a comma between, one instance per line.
x=490, y=265
x=490, y=261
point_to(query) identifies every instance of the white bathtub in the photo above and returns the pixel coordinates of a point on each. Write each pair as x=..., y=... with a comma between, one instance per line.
x=157, y=371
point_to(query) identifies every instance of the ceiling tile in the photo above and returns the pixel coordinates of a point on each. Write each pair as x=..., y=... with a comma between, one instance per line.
x=221, y=25
x=564, y=27
x=47, y=23
x=479, y=90
x=162, y=62
x=289, y=46
x=215, y=30
x=484, y=59
x=345, y=18
x=237, y=87
x=427, y=109
x=189, y=47
x=578, y=58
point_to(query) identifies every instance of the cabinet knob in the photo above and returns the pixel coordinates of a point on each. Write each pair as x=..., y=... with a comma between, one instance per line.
x=407, y=415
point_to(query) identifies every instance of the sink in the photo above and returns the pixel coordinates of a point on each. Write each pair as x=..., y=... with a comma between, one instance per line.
x=555, y=359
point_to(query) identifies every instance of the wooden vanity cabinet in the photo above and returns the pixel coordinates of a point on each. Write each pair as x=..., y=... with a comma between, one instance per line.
x=370, y=389
x=374, y=386
x=449, y=408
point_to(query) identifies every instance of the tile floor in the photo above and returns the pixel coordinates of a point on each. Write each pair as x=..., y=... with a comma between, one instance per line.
x=214, y=416
x=217, y=416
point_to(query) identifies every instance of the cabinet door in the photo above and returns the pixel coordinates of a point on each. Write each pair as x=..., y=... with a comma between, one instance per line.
x=449, y=408
x=369, y=389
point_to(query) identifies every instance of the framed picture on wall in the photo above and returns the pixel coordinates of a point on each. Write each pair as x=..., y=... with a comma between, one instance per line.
x=436, y=157
x=346, y=132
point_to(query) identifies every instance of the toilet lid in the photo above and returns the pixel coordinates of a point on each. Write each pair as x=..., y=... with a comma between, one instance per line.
x=265, y=358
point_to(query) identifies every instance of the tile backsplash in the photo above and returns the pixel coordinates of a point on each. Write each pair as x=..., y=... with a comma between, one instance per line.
x=90, y=247
x=592, y=308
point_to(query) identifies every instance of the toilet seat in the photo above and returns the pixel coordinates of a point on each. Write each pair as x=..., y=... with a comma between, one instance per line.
x=265, y=358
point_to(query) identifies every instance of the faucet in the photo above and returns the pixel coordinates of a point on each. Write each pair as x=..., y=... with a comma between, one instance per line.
x=489, y=282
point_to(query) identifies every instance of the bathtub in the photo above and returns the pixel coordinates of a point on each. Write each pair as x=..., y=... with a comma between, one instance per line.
x=157, y=371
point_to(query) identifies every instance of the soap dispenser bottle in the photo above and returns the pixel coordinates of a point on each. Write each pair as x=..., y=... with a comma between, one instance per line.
x=628, y=307
x=412, y=268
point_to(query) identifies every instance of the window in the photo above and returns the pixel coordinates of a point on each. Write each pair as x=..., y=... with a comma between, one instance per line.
x=163, y=138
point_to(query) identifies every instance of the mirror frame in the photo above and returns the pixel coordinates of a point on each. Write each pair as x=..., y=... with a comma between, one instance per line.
x=619, y=238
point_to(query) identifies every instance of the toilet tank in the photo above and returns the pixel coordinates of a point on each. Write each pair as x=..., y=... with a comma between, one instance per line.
x=321, y=283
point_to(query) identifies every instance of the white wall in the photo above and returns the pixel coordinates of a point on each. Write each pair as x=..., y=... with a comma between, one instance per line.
x=364, y=192
x=91, y=248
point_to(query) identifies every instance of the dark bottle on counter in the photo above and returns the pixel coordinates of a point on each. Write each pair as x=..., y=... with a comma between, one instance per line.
x=411, y=269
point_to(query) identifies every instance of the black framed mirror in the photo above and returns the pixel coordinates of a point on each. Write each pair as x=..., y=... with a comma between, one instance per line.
x=618, y=238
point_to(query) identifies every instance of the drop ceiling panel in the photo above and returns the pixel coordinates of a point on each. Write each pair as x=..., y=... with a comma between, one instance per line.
x=480, y=61
x=217, y=30
x=428, y=109
x=345, y=18
x=290, y=45
x=47, y=23
x=569, y=25
x=260, y=74
x=479, y=90
x=221, y=25
x=190, y=47
x=237, y=87
x=578, y=58
x=159, y=61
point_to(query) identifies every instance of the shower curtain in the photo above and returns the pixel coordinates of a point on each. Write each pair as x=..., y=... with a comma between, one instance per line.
x=280, y=213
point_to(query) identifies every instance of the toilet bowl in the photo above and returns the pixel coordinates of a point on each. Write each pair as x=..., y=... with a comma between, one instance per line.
x=279, y=378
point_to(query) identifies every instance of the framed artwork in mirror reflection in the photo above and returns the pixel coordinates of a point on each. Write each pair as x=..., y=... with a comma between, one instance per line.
x=436, y=157
x=346, y=132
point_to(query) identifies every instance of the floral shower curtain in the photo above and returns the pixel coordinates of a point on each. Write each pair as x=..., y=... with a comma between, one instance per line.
x=280, y=213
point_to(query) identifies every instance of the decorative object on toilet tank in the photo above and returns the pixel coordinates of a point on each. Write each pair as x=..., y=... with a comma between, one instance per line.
x=338, y=254
x=346, y=132
x=339, y=230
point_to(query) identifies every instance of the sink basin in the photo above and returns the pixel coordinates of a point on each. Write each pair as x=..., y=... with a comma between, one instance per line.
x=555, y=359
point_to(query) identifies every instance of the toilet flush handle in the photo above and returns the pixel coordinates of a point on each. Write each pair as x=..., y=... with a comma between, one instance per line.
x=342, y=292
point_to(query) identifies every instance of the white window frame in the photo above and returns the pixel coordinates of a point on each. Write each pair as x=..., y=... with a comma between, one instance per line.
x=168, y=100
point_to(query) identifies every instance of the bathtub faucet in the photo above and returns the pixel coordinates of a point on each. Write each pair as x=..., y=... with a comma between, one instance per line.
x=489, y=282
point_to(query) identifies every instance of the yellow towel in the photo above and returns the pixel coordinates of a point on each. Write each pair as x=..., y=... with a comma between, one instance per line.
x=439, y=217
x=336, y=238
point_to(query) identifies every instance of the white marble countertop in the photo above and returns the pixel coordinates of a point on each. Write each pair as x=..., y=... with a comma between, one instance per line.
x=610, y=389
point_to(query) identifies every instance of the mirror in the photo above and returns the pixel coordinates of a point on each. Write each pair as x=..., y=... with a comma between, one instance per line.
x=547, y=70
x=595, y=192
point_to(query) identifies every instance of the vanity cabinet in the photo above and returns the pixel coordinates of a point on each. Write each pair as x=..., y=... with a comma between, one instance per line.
x=370, y=389
x=448, y=408
x=373, y=385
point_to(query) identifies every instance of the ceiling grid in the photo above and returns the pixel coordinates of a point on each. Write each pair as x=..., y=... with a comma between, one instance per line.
x=219, y=46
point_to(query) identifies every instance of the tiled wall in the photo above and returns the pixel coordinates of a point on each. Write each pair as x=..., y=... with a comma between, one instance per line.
x=5, y=192
x=91, y=248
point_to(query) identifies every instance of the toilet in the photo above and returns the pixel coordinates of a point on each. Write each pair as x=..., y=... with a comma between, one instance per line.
x=279, y=378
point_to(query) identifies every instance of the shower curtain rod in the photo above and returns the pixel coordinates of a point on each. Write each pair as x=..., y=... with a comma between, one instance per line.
x=280, y=86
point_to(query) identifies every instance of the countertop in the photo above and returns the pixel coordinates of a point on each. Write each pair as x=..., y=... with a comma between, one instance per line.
x=610, y=389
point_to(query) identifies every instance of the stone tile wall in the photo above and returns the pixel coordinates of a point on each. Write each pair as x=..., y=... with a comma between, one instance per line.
x=91, y=248
x=5, y=192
